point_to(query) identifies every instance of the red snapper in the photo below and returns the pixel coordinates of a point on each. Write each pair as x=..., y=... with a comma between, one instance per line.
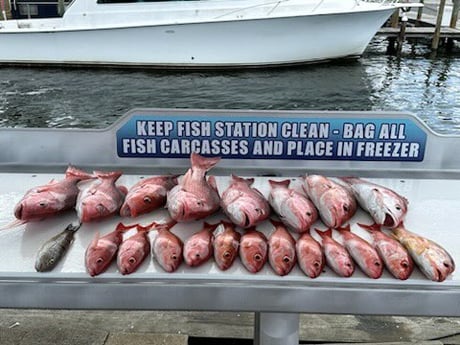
x=194, y=197
x=253, y=250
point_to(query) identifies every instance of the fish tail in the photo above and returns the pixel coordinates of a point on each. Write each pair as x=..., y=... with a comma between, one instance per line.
x=248, y=181
x=75, y=172
x=73, y=226
x=204, y=163
x=123, y=228
x=371, y=228
x=162, y=226
x=324, y=233
x=113, y=175
x=284, y=183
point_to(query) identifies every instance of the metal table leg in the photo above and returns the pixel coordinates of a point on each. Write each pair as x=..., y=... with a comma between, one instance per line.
x=276, y=329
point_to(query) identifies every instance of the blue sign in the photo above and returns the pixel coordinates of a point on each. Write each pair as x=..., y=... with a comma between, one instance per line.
x=241, y=137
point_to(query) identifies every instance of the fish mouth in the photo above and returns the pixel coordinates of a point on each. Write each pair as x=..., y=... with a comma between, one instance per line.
x=125, y=211
x=18, y=211
x=389, y=221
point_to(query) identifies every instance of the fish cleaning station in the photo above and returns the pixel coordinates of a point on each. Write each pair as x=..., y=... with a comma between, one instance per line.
x=391, y=149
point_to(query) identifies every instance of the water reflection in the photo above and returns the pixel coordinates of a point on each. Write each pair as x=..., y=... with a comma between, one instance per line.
x=430, y=88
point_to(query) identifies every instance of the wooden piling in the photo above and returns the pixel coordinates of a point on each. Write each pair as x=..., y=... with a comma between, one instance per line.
x=420, y=11
x=454, y=17
x=402, y=33
x=437, y=31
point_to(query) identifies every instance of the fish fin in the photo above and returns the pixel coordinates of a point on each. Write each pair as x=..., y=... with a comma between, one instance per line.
x=122, y=189
x=284, y=183
x=371, y=228
x=122, y=227
x=15, y=223
x=212, y=182
x=344, y=228
x=248, y=181
x=108, y=175
x=95, y=239
x=204, y=163
x=75, y=172
x=324, y=233
x=73, y=226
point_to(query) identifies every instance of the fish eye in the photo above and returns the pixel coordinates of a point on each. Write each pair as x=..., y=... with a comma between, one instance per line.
x=199, y=203
x=174, y=257
x=346, y=208
x=377, y=263
x=99, y=260
x=398, y=207
x=132, y=260
x=51, y=261
x=286, y=259
x=197, y=255
x=227, y=255
x=348, y=264
x=316, y=264
x=147, y=200
x=258, y=257
x=446, y=264
x=308, y=214
x=42, y=204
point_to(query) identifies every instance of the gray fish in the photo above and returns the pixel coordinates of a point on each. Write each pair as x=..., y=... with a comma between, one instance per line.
x=54, y=249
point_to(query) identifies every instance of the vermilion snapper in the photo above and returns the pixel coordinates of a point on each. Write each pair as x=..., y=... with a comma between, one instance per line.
x=281, y=249
x=225, y=245
x=294, y=209
x=198, y=247
x=100, y=198
x=147, y=195
x=50, y=199
x=336, y=205
x=195, y=197
x=167, y=248
x=253, y=250
x=103, y=250
x=244, y=205
x=432, y=259
x=396, y=258
x=309, y=255
x=337, y=256
x=134, y=250
x=362, y=252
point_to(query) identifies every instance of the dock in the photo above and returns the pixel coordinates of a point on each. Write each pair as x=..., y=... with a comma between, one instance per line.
x=436, y=20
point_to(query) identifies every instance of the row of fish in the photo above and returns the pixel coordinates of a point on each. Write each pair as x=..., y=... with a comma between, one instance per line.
x=195, y=197
x=397, y=252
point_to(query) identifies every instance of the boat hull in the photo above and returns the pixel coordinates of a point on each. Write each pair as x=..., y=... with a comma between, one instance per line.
x=244, y=43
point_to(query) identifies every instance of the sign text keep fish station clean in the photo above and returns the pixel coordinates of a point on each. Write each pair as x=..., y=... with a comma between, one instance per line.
x=273, y=138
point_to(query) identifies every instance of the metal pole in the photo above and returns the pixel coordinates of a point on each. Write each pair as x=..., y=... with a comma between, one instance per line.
x=276, y=329
x=437, y=31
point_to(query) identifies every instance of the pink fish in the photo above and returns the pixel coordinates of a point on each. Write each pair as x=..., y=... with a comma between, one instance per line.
x=294, y=209
x=395, y=257
x=100, y=198
x=167, y=248
x=432, y=259
x=102, y=250
x=245, y=206
x=253, y=250
x=337, y=256
x=309, y=255
x=194, y=197
x=134, y=250
x=198, y=247
x=281, y=249
x=147, y=195
x=336, y=205
x=225, y=245
x=52, y=198
x=386, y=207
x=362, y=252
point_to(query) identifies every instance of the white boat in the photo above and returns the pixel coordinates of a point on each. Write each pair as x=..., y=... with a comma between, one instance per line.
x=196, y=33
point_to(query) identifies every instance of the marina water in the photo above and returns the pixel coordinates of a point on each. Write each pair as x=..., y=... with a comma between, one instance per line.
x=95, y=98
